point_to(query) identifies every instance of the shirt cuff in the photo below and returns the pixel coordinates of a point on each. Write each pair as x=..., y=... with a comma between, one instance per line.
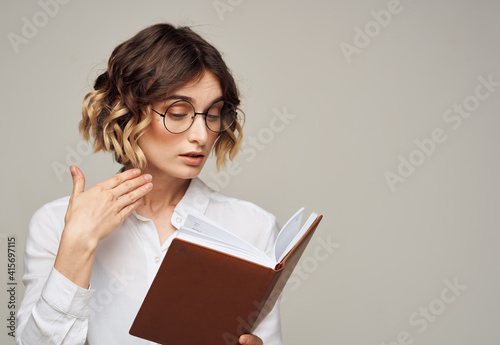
x=67, y=297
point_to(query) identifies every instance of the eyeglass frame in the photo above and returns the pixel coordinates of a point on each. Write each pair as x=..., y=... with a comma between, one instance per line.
x=196, y=114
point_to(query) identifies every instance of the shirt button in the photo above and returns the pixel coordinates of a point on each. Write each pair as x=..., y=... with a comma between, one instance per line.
x=178, y=219
x=157, y=259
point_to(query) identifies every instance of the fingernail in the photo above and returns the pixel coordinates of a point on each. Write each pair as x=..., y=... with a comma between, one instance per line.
x=149, y=186
x=72, y=170
x=136, y=172
x=148, y=177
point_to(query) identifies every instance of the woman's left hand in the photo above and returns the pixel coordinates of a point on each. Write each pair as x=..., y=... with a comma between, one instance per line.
x=250, y=339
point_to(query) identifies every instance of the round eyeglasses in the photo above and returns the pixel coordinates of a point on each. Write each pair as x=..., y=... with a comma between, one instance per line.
x=180, y=115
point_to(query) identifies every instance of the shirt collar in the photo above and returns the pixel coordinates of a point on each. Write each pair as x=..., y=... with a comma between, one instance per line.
x=195, y=199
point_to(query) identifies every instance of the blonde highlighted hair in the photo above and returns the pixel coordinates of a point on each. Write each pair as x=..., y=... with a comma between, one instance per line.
x=145, y=70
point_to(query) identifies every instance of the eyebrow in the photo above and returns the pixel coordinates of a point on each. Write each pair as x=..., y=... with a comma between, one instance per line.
x=189, y=99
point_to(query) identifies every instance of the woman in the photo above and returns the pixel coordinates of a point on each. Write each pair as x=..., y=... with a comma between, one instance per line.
x=166, y=100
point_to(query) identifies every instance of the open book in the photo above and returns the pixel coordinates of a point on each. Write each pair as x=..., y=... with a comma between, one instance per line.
x=201, y=230
x=213, y=286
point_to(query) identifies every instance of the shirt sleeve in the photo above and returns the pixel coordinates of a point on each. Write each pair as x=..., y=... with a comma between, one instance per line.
x=269, y=329
x=54, y=310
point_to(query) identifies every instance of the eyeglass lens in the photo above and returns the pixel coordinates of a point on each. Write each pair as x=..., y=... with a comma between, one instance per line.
x=181, y=114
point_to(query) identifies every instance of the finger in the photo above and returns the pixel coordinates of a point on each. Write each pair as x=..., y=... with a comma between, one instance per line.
x=127, y=210
x=250, y=339
x=130, y=198
x=78, y=180
x=120, y=178
x=131, y=185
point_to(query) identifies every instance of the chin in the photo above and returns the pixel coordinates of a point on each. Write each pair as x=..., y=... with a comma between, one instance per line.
x=190, y=175
x=187, y=172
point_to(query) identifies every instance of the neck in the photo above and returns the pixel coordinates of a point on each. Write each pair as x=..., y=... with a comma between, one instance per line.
x=166, y=194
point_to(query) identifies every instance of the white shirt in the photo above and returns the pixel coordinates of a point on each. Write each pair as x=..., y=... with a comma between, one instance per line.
x=54, y=310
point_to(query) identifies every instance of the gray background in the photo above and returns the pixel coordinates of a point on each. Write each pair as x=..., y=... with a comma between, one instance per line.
x=352, y=120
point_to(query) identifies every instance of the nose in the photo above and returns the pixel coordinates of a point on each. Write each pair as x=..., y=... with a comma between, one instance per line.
x=198, y=132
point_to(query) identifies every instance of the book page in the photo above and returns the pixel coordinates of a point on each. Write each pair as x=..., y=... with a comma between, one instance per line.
x=220, y=246
x=287, y=234
x=298, y=235
x=204, y=231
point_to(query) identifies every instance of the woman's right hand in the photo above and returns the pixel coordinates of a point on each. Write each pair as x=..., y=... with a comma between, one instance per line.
x=93, y=215
x=98, y=211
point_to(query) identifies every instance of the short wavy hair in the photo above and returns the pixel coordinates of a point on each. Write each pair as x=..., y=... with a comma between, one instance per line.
x=142, y=71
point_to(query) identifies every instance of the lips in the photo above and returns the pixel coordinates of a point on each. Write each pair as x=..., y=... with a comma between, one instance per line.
x=193, y=158
x=193, y=154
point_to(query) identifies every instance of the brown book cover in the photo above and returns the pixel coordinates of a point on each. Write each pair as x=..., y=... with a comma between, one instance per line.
x=203, y=296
